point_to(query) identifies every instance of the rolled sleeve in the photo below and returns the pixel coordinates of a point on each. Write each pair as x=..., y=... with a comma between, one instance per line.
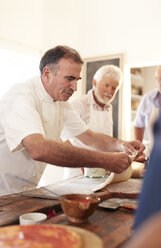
x=139, y=120
x=143, y=112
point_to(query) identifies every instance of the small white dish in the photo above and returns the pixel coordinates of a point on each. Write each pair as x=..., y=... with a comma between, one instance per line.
x=32, y=218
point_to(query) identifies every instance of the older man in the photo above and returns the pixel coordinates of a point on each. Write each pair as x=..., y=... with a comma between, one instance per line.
x=95, y=107
x=34, y=114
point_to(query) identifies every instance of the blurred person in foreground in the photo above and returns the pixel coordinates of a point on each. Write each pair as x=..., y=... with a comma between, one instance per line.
x=95, y=107
x=33, y=116
x=147, y=224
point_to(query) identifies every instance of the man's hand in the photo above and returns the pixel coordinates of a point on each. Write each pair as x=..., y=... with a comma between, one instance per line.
x=141, y=158
x=118, y=162
x=135, y=148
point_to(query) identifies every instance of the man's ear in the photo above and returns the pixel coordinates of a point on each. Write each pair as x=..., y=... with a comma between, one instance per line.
x=46, y=72
x=94, y=83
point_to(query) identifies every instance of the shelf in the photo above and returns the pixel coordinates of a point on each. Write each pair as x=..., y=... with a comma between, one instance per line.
x=136, y=96
x=137, y=80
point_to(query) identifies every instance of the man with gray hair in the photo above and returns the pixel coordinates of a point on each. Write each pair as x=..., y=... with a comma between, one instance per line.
x=95, y=107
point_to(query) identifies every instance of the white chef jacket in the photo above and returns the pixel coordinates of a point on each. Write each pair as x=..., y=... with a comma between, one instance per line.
x=27, y=109
x=95, y=118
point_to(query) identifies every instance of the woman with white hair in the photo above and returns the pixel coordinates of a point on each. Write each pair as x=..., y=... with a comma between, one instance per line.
x=95, y=110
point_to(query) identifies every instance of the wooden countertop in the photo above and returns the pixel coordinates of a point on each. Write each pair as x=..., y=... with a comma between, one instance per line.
x=112, y=226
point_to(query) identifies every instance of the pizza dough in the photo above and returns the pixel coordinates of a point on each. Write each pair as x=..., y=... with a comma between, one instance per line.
x=39, y=236
x=138, y=169
x=137, y=165
x=114, y=178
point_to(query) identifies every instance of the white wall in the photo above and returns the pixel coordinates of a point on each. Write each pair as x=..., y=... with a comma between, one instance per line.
x=100, y=27
x=21, y=25
x=149, y=78
x=93, y=27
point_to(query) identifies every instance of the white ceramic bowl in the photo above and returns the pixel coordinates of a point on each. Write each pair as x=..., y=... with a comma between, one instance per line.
x=32, y=218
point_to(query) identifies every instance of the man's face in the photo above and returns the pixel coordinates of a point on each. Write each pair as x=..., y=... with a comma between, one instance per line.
x=61, y=83
x=106, y=89
x=158, y=78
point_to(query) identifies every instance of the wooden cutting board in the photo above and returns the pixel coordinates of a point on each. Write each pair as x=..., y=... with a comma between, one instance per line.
x=129, y=189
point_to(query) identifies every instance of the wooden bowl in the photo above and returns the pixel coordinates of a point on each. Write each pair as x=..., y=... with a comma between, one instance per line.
x=78, y=207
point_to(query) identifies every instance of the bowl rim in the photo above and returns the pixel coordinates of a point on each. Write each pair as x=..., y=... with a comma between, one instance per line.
x=93, y=198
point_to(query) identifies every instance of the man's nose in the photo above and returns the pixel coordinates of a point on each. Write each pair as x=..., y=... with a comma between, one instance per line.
x=110, y=90
x=74, y=85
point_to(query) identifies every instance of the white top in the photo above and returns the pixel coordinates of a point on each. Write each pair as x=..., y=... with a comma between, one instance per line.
x=97, y=119
x=149, y=100
x=27, y=109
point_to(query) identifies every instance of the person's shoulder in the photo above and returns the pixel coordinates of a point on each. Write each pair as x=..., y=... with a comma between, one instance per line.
x=22, y=89
x=26, y=83
x=147, y=101
x=16, y=89
x=149, y=96
x=151, y=93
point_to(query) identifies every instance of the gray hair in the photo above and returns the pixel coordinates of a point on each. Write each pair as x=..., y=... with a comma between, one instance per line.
x=111, y=71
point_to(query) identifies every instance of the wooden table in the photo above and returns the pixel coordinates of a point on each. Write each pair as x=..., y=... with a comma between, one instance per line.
x=112, y=226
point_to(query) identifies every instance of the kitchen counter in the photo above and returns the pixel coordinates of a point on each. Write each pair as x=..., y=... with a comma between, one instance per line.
x=114, y=227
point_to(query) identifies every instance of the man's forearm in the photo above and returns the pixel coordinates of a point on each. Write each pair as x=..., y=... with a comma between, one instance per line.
x=60, y=154
x=100, y=141
x=71, y=156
